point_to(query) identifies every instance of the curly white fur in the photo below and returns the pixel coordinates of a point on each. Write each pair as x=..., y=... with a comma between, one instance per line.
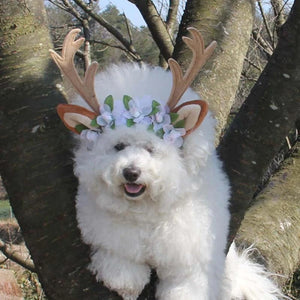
x=179, y=225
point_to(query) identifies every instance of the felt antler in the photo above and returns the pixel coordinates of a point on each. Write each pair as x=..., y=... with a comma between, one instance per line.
x=200, y=56
x=65, y=62
x=193, y=112
x=77, y=118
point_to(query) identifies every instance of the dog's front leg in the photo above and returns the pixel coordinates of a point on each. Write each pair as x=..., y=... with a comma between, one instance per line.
x=124, y=276
x=183, y=284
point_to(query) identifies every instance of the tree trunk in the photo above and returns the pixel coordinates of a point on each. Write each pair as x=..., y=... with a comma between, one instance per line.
x=228, y=22
x=267, y=116
x=35, y=161
x=274, y=220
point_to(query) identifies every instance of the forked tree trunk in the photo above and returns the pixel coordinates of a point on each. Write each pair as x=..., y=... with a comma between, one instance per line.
x=229, y=22
x=35, y=161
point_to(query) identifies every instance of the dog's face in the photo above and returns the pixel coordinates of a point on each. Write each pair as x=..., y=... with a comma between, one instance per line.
x=129, y=166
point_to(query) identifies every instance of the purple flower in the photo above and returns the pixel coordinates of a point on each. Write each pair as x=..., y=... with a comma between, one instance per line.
x=173, y=135
x=138, y=115
x=106, y=118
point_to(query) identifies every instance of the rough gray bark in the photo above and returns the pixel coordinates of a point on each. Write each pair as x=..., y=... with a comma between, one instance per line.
x=228, y=22
x=157, y=27
x=267, y=116
x=35, y=161
x=274, y=220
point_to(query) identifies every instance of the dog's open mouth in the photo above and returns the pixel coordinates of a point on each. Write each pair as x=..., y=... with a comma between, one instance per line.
x=133, y=189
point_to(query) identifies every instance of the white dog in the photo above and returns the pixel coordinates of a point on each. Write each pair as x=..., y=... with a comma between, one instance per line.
x=152, y=193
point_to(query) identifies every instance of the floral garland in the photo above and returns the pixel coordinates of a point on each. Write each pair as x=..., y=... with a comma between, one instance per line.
x=158, y=118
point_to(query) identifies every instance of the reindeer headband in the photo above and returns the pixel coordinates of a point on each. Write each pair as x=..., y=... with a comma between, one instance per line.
x=171, y=122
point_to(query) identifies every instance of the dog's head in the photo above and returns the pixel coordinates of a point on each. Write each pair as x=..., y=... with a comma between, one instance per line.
x=131, y=148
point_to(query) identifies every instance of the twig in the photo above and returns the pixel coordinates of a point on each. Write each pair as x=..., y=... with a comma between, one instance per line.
x=12, y=255
x=128, y=28
x=262, y=43
x=253, y=64
x=266, y=22
x=157, y=27
x=111, y=29
x=171, y=16
x=109, y=45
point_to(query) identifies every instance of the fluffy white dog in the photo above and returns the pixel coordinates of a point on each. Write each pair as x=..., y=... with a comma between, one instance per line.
x=152, y=193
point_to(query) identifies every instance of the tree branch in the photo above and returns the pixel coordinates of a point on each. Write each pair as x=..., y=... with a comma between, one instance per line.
x=10, y=253
x=262, y=43
x=248, y=148
x=156, y=26
x=251, y=63
x=273, y=223
x=266, y=23
x=278, y=7
x=172, y=16
x=128, y=28
x=117, y=34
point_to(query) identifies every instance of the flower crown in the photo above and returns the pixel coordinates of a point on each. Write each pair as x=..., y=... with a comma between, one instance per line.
x=157, y=118
x=171, y=122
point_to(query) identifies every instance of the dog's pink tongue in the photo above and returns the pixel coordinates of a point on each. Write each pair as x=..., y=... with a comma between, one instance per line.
x=133, y=188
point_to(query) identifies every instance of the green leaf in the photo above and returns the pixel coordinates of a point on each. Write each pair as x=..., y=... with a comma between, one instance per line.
x=155, y=108
x=126, y=100
x=150, y=127
x=113, y=125
x=109, y=100
x=94, y=123
x=179, y=124
x=80, y=127
x=173, y=117
x=160, y=133
x=129, y=122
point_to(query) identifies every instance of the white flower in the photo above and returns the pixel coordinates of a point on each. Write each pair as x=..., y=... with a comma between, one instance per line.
x=106, y=118
x=161, y=118
x=138, y=115
x=173, y=135
x=89, y=136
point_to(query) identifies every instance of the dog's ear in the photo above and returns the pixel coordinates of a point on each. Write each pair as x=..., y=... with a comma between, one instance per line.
x=76, y=118
x=193, y=113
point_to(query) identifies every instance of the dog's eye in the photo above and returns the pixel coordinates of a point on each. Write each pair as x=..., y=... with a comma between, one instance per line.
x=150, y=149
x=120, y=146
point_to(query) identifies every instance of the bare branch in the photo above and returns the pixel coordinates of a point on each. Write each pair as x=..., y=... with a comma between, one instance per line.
x=251, y=63
x=266, y=23
x=72, y=10
x=128, y=28
x=117, y=34
x=10, y=253
x=109, y=45
x=278, y=7
x=58, y=5
x=172, y=15
x=262, y=43
x=156, y=26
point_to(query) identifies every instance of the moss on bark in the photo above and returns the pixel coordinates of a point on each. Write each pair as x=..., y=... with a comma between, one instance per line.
x=272, y=223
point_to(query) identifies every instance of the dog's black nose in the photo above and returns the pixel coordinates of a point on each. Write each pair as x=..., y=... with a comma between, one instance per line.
x=131, y=173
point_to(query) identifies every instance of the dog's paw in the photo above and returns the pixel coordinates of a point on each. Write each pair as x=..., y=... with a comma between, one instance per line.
x=126, y=277
x=127, y=294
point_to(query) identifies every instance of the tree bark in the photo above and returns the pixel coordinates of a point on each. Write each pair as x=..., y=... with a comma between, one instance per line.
x=278, y=9
x=157, y=27
x=274, y=220
x=230, y=24
x=267, y=116
x=35, y=161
